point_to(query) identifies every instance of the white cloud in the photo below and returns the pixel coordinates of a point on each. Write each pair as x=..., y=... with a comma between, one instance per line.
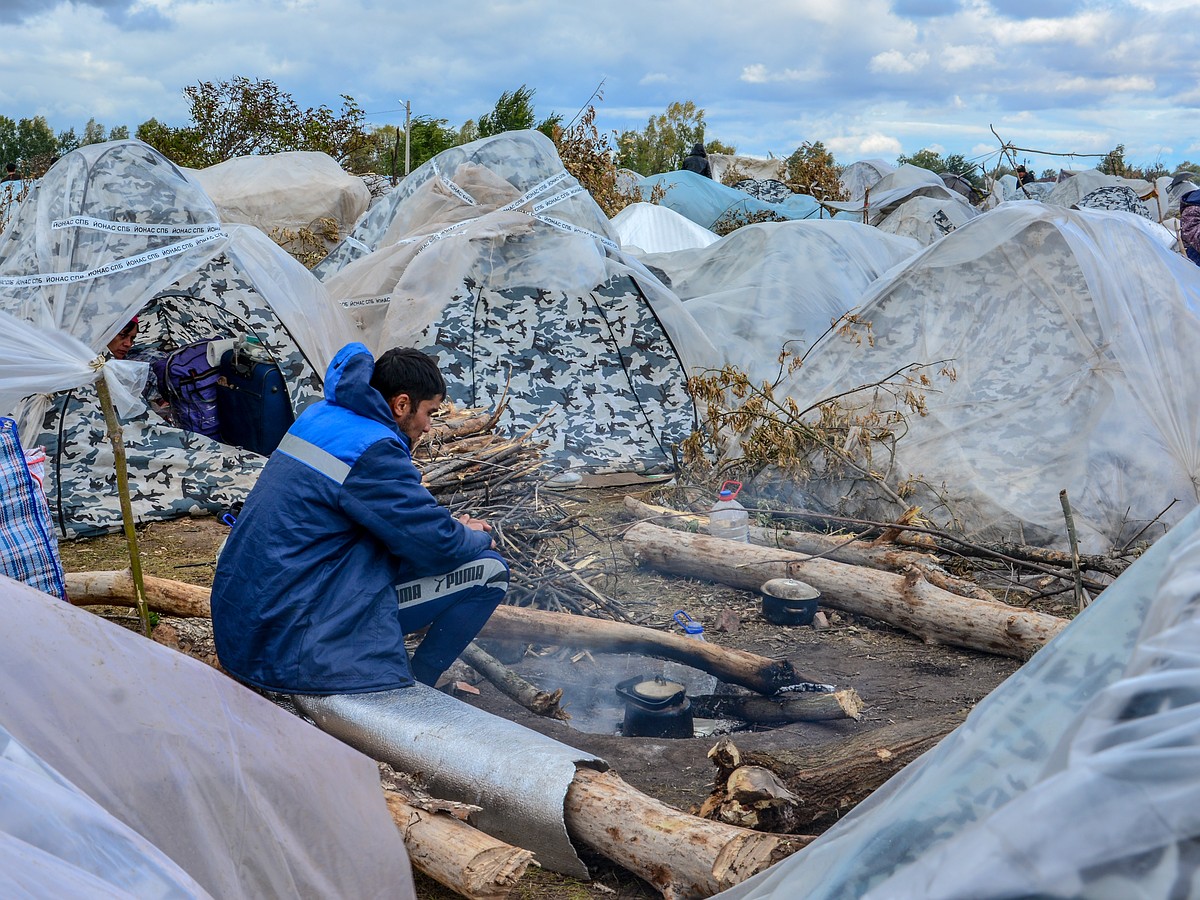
x=865, y=146
x=1085, y=30
x=1116, y=85
x=961, y=57
x=893, y=62
x=757, y=73
x=655, y=78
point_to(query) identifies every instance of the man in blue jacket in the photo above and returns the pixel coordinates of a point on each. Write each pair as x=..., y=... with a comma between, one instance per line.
x=340, y=550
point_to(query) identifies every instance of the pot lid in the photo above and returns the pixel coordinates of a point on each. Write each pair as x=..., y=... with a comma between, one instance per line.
x=789, y=589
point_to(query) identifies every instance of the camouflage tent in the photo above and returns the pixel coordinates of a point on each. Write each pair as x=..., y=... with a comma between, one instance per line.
x=115, y=230
x=494, y=259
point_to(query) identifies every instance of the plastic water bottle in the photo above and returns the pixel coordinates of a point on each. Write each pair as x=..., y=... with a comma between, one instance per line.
x=253, y=349
x=696, y=681
x=729, y=519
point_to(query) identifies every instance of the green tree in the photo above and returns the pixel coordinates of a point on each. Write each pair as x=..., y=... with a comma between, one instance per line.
x=664, y=142
x=119, y=133
x=182, y=145
x=812, y=170
x=514, y=112
x=1188, y=166
x=1114, y=162
x=715, y=146
x=10, y=148
x=93, y=133
x=953, y=163
x=37, y=146
x=427, y=138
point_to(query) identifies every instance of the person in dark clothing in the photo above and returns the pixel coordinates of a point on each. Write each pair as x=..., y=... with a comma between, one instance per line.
x=697, y=161
x=1189, y=224
x=339, y=550
x=10, y=172
x=1024, y=176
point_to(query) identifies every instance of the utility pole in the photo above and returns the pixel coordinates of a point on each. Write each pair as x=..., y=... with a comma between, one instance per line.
x=407, y=124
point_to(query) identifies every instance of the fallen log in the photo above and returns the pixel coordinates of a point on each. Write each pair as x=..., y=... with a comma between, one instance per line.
x=832, y=547
x=683, y=856
x=753, y=797
x=758, y=673
x=832, y=779
x=814, y=706
x=512, y=685
x=452, y=853
x=907, y=601
x=172, y=598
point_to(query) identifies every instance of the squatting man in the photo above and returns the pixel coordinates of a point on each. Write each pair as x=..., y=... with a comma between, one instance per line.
x=339, y=550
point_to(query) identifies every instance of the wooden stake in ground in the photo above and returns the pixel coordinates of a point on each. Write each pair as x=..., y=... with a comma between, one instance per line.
x=906, y=601
x=118, y=444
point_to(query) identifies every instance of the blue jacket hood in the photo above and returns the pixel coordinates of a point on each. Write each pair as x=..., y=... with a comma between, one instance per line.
x=348, y=384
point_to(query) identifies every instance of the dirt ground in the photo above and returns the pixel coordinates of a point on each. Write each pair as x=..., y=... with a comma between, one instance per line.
x=898, y=677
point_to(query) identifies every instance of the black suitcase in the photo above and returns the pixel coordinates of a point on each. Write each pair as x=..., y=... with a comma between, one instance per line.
x=253, y=405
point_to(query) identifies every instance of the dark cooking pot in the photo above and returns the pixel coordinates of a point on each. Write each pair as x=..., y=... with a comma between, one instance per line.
x=786, y=601
x=655, y=707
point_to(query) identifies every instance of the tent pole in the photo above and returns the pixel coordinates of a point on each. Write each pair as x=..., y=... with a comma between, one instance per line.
x=118, y=444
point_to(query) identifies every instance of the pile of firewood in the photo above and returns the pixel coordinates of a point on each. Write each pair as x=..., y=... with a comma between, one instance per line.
x=463, y=458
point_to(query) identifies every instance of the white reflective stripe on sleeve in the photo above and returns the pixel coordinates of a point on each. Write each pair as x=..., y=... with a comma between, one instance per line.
x=314, y=457
x=483, y=572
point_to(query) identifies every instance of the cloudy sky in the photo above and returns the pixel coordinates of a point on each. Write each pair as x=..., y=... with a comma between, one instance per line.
x=870, y=78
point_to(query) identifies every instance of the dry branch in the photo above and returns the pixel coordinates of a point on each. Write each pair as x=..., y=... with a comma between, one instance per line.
x=512, y=685
x=907, y=601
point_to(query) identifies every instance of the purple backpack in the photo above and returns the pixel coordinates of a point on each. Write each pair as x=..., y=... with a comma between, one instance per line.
x=189, y=384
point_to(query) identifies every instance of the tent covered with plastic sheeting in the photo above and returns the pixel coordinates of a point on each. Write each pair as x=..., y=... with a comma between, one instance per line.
x=926, y=219
x=1058, y=347
x=749, y=166
x=494, y=259
x=1072, y=189
x=115, y=230
x=709, y=203
x=896, y=187
x=650, y=228
x=1076, y=777
x=129, y=764
x=862, y=176
x=285, y=191
x=764, y=285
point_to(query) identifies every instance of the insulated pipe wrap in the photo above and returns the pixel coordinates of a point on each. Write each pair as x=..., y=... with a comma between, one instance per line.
x=518, y=777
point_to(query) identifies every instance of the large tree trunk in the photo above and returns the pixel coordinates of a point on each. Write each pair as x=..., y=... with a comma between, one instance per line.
x=683, y=856
x=758, y=673
x=906, y=601
x=841, y=549
x=452, y=853
x=832, y=779
x=804, y=706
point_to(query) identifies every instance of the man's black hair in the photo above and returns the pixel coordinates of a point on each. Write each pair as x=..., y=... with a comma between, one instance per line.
x=403, y=370
x=10, y=167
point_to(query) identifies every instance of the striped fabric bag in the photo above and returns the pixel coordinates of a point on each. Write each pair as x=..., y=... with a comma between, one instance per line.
x=28, y=548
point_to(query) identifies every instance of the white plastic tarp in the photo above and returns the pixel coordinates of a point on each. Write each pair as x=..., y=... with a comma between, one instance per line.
x=1070, y=336
x=1077, y=777
x=291, y=190
x=764, y=285
x=77, y=268
x=896, y=187
x=926, y=219
x=247, y=799
x=649, y=228
x=861, y=176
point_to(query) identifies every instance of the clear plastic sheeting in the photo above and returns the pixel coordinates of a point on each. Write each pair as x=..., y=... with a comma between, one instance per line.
x=896, y=187
x=766, y=284
x=1060, y=348
x=862, y=176
x=748, y=167
x=246, y=799
x=1077, y=777
x=291, y=190
x=518, y=777
x=55, y=841
x=649, y=228
x=927, y=219
x=707, y=202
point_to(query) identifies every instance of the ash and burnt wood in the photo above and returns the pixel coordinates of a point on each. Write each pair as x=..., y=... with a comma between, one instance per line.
x=906, y=601
x=805, y=706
